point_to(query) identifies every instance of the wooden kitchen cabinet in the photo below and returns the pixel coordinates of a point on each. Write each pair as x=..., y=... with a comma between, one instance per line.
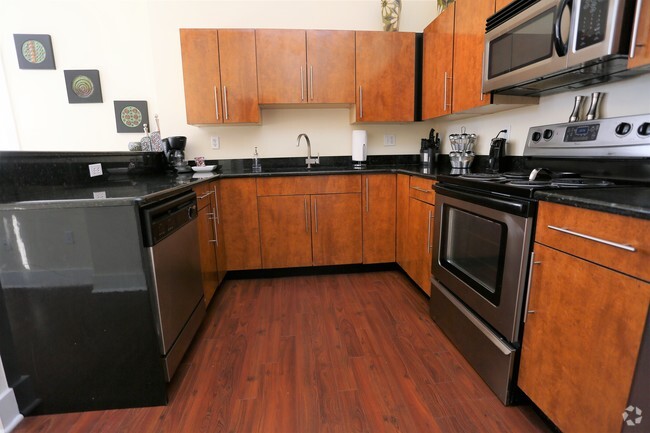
x=641, y=54
x=207, y=240
x=314, y=220
x=402, y=218
x=220, y=245
x=585, y=321
x=219, y=76
x=241, y=231
x=500, y=4
x=379, y=217
x=298, y=66
x=453, y=46
x=385, y=77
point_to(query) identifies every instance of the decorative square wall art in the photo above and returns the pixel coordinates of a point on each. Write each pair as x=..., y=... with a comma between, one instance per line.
x=130, y=116
x=34, y=51
x=83, y=86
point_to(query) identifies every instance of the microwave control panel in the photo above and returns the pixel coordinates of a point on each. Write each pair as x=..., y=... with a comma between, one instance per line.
x=592, y=23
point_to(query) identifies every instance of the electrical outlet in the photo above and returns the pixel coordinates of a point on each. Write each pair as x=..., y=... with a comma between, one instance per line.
x=389, y=140
x=506, y=134
x=95, y=169
x=98, y=195
x=214, y=142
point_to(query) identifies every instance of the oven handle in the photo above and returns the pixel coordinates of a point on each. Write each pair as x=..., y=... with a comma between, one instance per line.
x=510, y=205
x=498, y=342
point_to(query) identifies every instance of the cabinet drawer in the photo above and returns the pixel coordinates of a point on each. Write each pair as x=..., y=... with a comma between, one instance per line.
x=203, y=192
x=294, y=185
x=596, y=236
x=422, y=189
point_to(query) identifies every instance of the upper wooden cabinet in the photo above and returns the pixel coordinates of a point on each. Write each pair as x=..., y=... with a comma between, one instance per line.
x=640, y=56
x=500, y=4
x=453, y=63
x=219, y=76
x=298, y=66
x=385, y=77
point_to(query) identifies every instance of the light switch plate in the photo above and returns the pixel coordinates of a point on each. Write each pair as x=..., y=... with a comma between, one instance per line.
x=215, y=142
x=389, y=140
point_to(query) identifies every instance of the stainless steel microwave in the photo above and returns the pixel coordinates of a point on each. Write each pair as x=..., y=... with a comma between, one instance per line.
x=534, y=47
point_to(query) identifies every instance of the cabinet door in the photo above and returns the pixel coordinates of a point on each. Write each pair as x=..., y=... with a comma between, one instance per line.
x=385, y=76
x=238, y=76
x=220, y=247
x=581, y=343
x=642, y=43
x=402, y=218
x=285, y=231
x=379, y=201
x=469, y=34
x=207, y=240
x=419, y=243
x=241, y=230
x=281, y=66
x=201, y=79
x=336, y=229
x=330, y=66
x=500, y=4
x=437, y=62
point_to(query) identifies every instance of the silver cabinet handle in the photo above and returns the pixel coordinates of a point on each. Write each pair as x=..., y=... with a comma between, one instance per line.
x=225, y=102
x=316, y=214
x=367, y=196
x=444, y=103
x=302, y=84
x=530, y=280
x=216, y=203
x=429, y=234
x=211, y=216
x=207, y=194
x=216, y=102
x=595, y=239
x=360, y=102
x=635, y=28
x=311, y=81
x=306, y=217
x=426, y=191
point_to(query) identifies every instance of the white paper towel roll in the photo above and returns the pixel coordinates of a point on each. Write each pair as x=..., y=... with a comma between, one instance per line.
x=359, y=145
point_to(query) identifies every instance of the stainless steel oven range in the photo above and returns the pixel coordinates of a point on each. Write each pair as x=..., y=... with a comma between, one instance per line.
x=484, y=229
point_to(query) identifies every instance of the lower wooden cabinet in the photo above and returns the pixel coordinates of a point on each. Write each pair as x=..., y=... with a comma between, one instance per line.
x=207, y=239
x=419, y=240
x=241, y=229
x=379, y=216
x=306, y=230
x=402, y=218
x=585, y=321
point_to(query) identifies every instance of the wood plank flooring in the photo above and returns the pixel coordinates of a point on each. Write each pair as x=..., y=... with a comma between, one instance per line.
x=331, y=353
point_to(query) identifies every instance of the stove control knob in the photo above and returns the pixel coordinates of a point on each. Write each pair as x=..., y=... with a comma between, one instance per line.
x=623, y=128
x=536, y=136
x=548, y=134
x=644, y=129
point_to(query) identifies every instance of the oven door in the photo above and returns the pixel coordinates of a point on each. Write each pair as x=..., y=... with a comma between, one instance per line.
x=481, y=246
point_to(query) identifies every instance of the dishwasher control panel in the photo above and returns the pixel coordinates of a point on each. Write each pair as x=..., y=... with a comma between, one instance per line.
x=162, y=219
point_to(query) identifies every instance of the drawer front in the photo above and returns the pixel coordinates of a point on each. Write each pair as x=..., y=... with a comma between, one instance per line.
x=298, y=185
x=203, y=192
x=422, y=189
x=599, y=237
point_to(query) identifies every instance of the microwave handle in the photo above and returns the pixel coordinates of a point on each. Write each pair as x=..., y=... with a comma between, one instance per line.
x=561, y=47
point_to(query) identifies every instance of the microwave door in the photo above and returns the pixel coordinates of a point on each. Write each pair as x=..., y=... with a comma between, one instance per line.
x=599, y=29
x=522, y=49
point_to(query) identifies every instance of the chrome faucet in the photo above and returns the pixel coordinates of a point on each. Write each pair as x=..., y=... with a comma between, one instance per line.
x=309, y=160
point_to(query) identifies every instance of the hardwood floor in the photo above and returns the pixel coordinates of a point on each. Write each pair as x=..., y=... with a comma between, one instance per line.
x=331, y=353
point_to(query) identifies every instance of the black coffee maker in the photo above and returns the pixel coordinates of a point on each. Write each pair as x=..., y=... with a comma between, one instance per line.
x=497, y=153
x=174, y=148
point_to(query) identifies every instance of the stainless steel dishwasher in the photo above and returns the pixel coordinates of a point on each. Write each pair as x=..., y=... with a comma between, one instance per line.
x=171, y=242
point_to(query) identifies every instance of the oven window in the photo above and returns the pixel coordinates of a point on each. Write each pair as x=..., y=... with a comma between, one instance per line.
x=524, y=45
x=473, y=249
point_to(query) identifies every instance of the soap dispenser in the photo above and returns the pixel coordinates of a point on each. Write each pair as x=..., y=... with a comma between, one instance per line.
x=257, y=166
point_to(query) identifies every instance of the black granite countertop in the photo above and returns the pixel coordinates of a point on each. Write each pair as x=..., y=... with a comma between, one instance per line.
x=631, y=201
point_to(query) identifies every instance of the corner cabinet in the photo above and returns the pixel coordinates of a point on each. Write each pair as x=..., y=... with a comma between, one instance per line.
x=385, y=77
x=241, y=230
x=587, y=310
x=305, y=66
x=640, y=45
x=219, y=76
x=453, y=63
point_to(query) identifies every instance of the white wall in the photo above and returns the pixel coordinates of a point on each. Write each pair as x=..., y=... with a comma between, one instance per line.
x=135, y=45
